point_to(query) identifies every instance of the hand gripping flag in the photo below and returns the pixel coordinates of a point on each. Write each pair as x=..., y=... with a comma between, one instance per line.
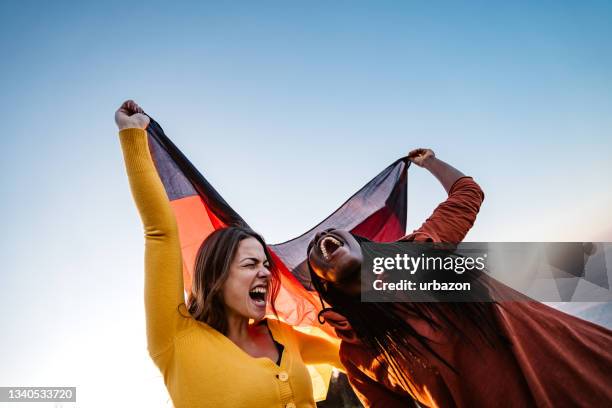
x=377, y=211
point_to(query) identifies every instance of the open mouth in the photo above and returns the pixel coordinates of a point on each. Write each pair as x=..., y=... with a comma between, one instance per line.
x=258, y=295
x=329, y=245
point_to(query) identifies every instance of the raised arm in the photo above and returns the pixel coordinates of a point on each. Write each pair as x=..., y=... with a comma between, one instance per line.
x=163, y=262
x=444, y=172
x=453, y=218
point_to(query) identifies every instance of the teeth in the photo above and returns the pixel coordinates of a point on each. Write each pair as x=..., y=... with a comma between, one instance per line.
x=259, y=289
x=322, y=245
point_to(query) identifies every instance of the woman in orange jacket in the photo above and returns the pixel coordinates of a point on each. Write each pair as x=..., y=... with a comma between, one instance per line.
x=520, y=353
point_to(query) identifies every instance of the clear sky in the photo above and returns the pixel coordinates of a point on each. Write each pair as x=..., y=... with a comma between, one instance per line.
x=276, y=103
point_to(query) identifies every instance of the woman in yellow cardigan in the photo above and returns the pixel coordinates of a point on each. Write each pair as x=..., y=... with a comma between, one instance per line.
x=217, y=351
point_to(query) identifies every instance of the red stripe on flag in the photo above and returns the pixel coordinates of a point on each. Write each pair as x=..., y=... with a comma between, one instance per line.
x=382, y=226
x=294, y=304
x=194, y=225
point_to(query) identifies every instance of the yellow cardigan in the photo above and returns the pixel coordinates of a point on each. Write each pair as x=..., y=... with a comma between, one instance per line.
x=202, y=367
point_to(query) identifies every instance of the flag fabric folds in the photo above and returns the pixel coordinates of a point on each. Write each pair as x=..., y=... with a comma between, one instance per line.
x=377, y=211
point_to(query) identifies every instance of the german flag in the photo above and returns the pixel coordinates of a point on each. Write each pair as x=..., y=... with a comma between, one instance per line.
x=377, y=211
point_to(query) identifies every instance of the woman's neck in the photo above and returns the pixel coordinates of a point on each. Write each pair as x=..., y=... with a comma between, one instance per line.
x=238, y=329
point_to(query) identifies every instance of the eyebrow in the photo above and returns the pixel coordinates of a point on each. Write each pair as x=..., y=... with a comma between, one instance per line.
x=252, y=259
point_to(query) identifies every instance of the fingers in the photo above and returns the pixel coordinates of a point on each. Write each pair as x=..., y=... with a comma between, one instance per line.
x=416, y=152
x=125, y=107
x=420, y=153
x=130, y=115
x=421, y=156
x=130, y=107
x=136, y=108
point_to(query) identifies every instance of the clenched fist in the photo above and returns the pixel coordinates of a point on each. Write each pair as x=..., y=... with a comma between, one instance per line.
x=421, y=157
x=130, y=115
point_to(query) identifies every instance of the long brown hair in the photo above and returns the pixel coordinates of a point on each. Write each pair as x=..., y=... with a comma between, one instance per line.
x=212, y=265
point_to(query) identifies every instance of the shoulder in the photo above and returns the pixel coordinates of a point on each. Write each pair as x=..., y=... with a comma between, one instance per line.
x=281, y=330
x=467, y=184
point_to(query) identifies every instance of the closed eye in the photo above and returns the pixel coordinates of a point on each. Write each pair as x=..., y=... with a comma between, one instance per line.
x=266, y=264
